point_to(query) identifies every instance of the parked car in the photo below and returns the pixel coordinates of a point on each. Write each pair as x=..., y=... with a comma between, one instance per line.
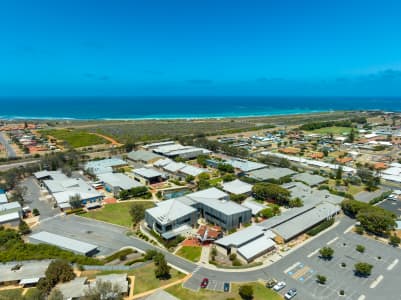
x=226, y=287
x=290, y=294
x=271, y=283
x=204, y=283
x=279, y=286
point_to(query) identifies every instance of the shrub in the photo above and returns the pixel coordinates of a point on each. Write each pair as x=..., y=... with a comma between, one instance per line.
x=326, y=253
x=233, y=256
x=363, y=269
x=35, y=212
x=394, y=241
x=246, y=292
x=237, y=262
x=360, y=248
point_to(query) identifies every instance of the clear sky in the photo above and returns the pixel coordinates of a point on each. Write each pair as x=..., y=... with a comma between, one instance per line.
x=205, y=47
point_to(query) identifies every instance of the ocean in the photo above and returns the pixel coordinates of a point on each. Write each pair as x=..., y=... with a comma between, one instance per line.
x=113, y=108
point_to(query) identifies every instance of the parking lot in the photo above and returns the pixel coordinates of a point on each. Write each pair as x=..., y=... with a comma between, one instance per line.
x=195, y=281
x=33, y=199
x=392, y=205
x=383, y=282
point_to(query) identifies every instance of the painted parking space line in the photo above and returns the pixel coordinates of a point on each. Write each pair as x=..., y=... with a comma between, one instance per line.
x=313, y=253
x=292, y=267
x=376, y=282
x=362, y=297
x=392, y=265
x=332, y=241
x=348, y=230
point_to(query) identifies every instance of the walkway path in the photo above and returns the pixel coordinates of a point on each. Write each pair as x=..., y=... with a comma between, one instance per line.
x=204, y=259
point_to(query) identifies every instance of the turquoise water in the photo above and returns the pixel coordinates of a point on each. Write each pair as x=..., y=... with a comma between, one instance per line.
x=181, y=107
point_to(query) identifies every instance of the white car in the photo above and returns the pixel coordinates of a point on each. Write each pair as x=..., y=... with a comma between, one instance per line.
x=279, y=286
x=290, y=294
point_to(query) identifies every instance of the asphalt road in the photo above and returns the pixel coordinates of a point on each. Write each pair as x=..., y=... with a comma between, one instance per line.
x=5, y=167
x=10, y=151
x=111, y=238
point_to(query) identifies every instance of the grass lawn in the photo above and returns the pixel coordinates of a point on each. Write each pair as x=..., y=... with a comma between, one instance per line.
x=76, y=138
x=215, y=181
x=117, y=213
x=259, y=293
x=333, y=130
x=145, y=279
x=191, y=253
x=11, y=294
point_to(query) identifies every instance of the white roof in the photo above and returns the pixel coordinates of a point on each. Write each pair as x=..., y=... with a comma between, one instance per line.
x=256, y=207
x=10, y=206
x=256, y=247
x=241, y=237
x=245, y=165
x=371, y=135
x=56, y=175
x=191, y=170
x=73, y=289
x=63, y=197
x=174, y=166
x=237, y=187
x=299, y=224
x=170, y=210
x=147, y=172
x=63, y=242
x=3, y=198
x=217, y=200
x=27, y=271
x=9, y=217
x=309, y=161
x=162, y=162
x=104, y=165
x=119, y=180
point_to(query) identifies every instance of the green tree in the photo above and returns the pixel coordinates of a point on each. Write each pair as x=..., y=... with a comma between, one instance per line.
x=226, y=168
x=266, y=213
x=363, y=269
x=394, y=241
x=376, y=220
x=201, y=159
x=57, y=271
x=321, y=279
x=297, y=202
x=326, y=253
x=228, y=177
x=56, y=295
x=137, y=212
x=103, y=290
x=75, y=201
x=246, y=292
x=204, y=176
x=238, y=198
x=162, y=270
x=35, y=212
x=265, y=191
x=189, y=178
x=23, y=228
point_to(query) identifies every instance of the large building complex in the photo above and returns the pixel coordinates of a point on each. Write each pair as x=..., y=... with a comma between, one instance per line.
x=171, y=216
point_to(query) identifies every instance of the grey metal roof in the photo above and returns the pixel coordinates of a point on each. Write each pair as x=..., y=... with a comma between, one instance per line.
x=256, y=247
x=104, y=165
x=311, y=196
x=62, y=242
x=244, y=165
x=255, y=206
x=241, y=237
x=161, y=295
x=300, y=224
x=285, y=216
x=28, y=269
x=142, y=155
x=170, y=210
x=309, y=179
x=119, y=180
x=237, y=187
x=217, y=200
x=270, y=173
x=147, y=172
x=73, y=289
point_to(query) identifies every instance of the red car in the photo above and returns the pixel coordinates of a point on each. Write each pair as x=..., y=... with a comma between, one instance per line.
x=204, y=283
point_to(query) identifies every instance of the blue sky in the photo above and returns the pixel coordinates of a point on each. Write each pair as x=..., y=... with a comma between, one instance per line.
x=205, y=47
